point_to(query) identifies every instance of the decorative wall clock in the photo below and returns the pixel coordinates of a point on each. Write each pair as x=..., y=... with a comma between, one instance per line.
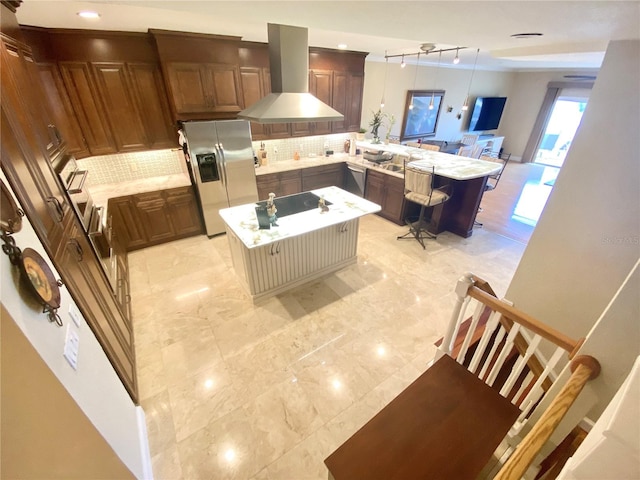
x=33, y=268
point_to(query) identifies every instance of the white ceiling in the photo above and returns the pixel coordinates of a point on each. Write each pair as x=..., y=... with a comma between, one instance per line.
x=575, y=33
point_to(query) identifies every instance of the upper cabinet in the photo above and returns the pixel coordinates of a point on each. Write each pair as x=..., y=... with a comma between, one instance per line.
x=202, y=74
x=204, y=87
x=105, y=90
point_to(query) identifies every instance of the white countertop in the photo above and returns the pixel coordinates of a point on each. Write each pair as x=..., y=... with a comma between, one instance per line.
x=242, y=220
x=102, y=193
x=304, y=162
x=455, y=167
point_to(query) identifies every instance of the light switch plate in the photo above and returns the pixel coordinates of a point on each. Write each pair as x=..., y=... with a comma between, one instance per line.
x=71, y=346
x=75, y=314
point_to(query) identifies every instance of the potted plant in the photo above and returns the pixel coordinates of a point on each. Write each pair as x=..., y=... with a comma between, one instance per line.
x=360, y=134
x=375, y=123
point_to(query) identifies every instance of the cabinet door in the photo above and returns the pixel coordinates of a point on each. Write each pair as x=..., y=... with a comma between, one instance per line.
x=151, y=97
x=225, y=92
x=375, y=188
x=85, y=280
x=339, y=100
x=394, y=199
x=252, y=91
x=88, y=107
x=267, y=184
x=321, y=86
x=154, y=217
x=354, y=102
x=320, y=177
x=188, y=87
x=126, y=223
x=183, y=211
x=113, y=87
x=290, y=183
x=64, y=116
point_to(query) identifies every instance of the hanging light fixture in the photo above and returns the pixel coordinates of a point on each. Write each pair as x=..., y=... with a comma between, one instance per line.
x=402, y=64
x=465, y=105
x=414, y=80
x=435, y=82
x=386, y=69
x=456, y=60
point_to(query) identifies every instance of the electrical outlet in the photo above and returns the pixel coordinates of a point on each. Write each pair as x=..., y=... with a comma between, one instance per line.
x=71, y=346
x=75, y=315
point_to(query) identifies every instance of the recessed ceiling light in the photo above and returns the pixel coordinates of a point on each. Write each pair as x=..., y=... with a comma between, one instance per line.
x=342, y=46
x=526, y=35
x=88, y=14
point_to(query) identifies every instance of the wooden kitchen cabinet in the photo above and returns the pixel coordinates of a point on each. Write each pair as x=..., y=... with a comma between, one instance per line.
x=281, y=183
x=388, y=192
x=205, y=87
x=86, y=282
x=89, y=108
x=355, y=87
x=63, y=115
x=256, y=83
x=183, y=211
x=323, y=176
x=148, y=89
x=152, y=218
x=321, y=86
x=122, y=110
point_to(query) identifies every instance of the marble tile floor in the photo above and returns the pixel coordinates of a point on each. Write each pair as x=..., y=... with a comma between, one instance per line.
x=233, y=390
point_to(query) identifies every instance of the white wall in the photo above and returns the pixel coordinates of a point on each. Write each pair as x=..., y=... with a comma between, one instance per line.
x=94, y=385
x=524, y=101
x=588, y=236
x=454, y=81
x=524, y=91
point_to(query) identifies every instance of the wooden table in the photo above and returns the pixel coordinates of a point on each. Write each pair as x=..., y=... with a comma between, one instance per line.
x=445, y=425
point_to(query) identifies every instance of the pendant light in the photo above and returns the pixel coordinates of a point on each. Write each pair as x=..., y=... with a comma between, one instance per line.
x=414, y=80
x=402, y=64
x=465, y=105
x=384, y=87
x=456, y=60
x=435, y=83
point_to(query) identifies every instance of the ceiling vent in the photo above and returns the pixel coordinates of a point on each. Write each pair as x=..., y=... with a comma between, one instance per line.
x=289, y=66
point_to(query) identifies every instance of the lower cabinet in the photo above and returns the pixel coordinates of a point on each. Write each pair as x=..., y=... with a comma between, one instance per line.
x=281, y=183
x=323, y=176
x=300, y=180
x=152, y=218
x=388, y=192
x=86, y=282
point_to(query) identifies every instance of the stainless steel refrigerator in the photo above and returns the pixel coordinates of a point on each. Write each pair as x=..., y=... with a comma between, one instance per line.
x=222, y=163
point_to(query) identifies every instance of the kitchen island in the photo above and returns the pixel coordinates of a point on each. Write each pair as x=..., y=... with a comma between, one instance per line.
x=303, y=246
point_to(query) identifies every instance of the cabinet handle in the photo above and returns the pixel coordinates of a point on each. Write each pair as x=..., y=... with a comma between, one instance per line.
x=344, y=228
x=58, y=206
x=275, y=249
x=77, y=249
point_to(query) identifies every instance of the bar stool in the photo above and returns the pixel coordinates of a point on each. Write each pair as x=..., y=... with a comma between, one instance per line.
x=419, y=188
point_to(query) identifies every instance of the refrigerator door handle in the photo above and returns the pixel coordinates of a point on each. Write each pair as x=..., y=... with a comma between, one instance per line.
x=222, y=166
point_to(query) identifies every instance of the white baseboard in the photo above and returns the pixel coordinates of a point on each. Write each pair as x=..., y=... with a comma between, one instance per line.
x=143, y=438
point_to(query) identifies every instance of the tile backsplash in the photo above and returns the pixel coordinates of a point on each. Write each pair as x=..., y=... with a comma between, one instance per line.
x=305, y=146
x=124, y=167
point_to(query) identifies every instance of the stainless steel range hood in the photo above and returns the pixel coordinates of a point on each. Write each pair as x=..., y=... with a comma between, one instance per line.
x=289, y=65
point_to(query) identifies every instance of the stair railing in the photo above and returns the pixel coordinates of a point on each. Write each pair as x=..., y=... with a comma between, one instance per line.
x=520, y=356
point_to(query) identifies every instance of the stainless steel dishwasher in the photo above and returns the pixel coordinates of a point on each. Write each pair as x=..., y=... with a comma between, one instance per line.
x=356, y=179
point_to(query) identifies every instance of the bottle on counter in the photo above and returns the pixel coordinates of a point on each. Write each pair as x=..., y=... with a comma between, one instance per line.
x=296, y=155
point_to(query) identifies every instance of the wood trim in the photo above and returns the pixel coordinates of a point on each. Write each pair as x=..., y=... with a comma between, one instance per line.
x=524, y=319
x=527, y=450
x=199, y=36
x=11, y=4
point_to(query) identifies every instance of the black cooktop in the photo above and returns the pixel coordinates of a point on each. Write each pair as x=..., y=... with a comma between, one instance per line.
x=296, y=203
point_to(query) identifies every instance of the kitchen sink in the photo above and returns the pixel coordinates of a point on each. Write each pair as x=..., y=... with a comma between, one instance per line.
x=393, y=167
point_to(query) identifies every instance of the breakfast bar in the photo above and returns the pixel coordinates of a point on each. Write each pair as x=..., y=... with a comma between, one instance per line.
x=308, y=240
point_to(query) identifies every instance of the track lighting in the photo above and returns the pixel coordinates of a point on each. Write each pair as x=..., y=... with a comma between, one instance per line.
x=402, y=64
x=465, y=105
x=384, y=87
x=456, y=60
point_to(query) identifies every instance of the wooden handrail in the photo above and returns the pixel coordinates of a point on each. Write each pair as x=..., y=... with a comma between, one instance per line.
x=584, y=368
x=525, y=320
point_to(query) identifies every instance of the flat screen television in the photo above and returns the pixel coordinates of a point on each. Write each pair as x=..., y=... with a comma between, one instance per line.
x=486, y=113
